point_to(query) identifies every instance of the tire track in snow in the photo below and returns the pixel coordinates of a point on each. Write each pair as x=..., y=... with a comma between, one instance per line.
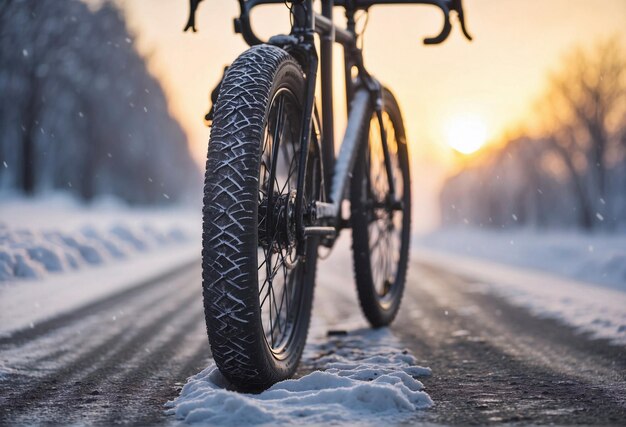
x=112, y=302
x=57, y=348
x=491, y=362
x=95, y=364
x=109, y=376
x=88, y=333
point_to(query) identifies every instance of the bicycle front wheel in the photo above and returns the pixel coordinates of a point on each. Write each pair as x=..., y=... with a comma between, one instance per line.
x=257, y=292
x=381, y=226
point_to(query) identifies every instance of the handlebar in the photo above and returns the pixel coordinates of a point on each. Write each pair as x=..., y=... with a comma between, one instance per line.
x=447, y=27
x=445, y=5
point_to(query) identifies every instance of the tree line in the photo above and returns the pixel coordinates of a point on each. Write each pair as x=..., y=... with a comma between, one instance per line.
x=79, y=109
x=570, y=171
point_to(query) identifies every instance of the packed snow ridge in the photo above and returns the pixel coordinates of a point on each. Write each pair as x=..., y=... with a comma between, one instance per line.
x=58, y=235
x=30, y=254
x=367, y=378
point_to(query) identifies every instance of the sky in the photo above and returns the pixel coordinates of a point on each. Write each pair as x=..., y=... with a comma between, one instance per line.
x=491, y=81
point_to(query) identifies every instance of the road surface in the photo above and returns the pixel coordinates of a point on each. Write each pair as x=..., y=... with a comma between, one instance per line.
x=120, y=359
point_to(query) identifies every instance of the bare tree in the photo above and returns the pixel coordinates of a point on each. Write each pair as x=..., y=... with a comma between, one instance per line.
x=584, y=110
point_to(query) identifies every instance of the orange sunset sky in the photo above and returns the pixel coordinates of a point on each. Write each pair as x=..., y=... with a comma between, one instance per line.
x=490, y=82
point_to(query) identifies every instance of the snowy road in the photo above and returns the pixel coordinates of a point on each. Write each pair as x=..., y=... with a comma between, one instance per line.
x=493, y=362
x=119, y=360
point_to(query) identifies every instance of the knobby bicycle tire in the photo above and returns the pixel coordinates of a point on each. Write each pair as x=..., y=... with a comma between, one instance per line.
x=380, y=302
x=235, y=170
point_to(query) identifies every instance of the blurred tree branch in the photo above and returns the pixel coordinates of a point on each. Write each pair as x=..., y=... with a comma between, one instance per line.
x=587, y=96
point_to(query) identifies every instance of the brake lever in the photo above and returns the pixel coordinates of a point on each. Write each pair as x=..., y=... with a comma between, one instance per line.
x=445, y=32
x=457, y=6
x=191, y=21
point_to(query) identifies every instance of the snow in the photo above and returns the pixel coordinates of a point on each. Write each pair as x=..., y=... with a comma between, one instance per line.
x=358, y=376
x=57, y=255
x=599, y=258
x=578, y=279
x=56, y=234
x=26, y=303
x=366, y=378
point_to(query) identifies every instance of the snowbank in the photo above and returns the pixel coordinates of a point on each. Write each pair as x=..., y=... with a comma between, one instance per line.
x=56, y=234
x=599, y=258
x=367, y=378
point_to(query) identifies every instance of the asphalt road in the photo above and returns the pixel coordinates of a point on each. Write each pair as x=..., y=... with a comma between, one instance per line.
x=119, y=360
x=495, y=363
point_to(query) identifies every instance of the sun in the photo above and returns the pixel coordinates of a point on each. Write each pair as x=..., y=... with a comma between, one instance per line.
x=466, y=134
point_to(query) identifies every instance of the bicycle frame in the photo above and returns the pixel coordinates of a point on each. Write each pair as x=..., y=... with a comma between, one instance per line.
x=359, y=93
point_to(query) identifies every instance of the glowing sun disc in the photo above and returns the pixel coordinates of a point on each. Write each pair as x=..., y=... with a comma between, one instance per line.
x=466, y=134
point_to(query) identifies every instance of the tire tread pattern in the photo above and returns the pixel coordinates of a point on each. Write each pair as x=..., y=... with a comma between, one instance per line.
x=230, y=289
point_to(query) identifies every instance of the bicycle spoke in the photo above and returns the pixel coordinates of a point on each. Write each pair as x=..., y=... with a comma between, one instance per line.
x=278, y=275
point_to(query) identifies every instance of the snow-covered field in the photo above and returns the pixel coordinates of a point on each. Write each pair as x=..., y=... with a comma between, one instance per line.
x=579, y=279
x=57, y=254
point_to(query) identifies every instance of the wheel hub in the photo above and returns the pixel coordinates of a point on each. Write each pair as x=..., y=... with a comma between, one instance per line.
x=277, y=226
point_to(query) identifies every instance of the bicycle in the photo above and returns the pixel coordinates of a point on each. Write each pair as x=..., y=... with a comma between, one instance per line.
x=274, y=188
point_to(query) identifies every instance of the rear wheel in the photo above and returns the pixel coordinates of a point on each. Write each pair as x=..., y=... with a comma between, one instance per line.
x=257, y=292
x=381, y=226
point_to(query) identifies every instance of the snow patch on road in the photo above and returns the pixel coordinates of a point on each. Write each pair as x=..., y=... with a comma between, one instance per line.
x=355, y=375
x=367, y=378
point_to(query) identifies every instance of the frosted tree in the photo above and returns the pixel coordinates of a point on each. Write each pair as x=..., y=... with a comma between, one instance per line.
x=81, y=110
